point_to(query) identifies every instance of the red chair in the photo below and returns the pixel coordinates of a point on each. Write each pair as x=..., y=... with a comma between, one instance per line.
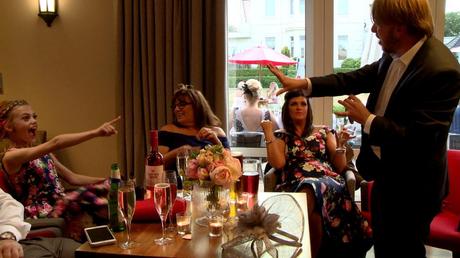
x=445, y=227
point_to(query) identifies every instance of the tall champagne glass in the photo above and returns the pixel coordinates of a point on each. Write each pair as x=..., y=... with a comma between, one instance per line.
x=163, y=203
x=127, y=202
x=171, y=178
x=181, y=166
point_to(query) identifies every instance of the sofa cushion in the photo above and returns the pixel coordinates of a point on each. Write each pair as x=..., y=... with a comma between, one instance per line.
x=452, y=201
x=45, y=232
x=444, y=231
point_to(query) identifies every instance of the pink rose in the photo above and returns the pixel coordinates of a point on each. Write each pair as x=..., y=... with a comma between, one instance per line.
x=202, y=160
x=215, y=164
x=233, y=164
x=221, y=176
x=203, y=174
x=192, y=169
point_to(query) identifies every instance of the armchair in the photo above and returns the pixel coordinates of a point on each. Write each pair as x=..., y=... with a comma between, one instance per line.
x=445, y=227
x=247, y=139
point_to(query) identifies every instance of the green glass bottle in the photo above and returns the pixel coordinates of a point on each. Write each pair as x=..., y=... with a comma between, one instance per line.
x=115, y=217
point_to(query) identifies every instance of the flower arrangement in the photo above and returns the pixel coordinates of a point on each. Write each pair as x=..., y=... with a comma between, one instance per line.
x=213, y=166
x=214, y=163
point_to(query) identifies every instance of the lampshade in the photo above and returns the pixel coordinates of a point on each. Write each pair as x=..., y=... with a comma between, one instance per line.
x=47, y=10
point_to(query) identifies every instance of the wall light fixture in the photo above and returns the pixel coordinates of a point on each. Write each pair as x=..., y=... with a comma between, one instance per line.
x=47, y=10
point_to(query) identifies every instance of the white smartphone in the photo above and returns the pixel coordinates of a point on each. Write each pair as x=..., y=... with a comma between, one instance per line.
x=100, y=235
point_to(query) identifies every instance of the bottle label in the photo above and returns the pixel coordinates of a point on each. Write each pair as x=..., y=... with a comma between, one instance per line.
x=153, y=175
x=115, y=218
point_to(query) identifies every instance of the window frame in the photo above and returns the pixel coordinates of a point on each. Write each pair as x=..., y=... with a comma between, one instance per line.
x=319, y=22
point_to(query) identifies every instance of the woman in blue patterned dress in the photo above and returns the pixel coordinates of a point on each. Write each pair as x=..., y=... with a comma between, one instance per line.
x=310, y=159
x=34, y=172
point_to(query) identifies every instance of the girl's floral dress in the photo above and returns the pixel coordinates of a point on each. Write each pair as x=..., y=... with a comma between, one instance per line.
x=307, y=165
x=38, y=187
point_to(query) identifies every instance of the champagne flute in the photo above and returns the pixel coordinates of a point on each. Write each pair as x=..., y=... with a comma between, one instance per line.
x=171, y=178
x=163, y=203
x=127, y=202
x=181, y=166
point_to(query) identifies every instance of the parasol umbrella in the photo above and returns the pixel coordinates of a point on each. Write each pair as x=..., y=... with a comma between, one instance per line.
x=454, y=44
x=261, y=55
x=455, y=49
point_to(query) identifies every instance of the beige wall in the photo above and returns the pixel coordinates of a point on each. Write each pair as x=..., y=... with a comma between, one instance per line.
x=67, y=72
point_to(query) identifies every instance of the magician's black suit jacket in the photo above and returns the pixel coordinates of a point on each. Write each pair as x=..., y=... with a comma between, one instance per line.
x=413, y=132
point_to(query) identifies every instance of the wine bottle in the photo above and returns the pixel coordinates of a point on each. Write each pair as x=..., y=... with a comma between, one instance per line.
x=115, y=218
x=154, y=166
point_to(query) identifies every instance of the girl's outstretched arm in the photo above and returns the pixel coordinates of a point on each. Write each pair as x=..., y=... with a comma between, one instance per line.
x=14, y=158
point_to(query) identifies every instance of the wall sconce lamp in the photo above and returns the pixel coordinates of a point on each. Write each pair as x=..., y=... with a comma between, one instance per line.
x=47, y=10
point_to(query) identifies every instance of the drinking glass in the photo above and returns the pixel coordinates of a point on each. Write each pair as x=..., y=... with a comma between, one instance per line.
x=183, y=220
x=251, y=171
x=215, y=225
x=171, y=178
x=127, y=202
x=181, y=165
x=163, y=203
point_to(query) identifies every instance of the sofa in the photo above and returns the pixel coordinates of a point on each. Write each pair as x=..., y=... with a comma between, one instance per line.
x=46, y=227
x=445, y=227
x=54, y=227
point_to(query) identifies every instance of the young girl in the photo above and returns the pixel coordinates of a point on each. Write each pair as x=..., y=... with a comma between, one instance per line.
x=35, y=173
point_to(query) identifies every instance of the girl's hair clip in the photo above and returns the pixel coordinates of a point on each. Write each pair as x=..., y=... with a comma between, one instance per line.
x=182, y=86
x=246, y=89
x=10, y=106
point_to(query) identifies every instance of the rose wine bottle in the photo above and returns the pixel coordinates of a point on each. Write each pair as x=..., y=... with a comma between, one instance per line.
x=154, y=170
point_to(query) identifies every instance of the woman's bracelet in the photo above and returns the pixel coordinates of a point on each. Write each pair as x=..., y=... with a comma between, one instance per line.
x=340, y=150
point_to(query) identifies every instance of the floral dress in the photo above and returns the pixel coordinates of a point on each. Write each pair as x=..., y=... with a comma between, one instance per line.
x=307, y=165
x=38, y=187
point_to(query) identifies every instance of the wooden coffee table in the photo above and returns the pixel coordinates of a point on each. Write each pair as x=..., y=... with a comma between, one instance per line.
x=201, y=245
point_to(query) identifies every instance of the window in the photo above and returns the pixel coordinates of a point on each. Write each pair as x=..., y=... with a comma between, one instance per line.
x=342, y=47
x=356, y=46
x=270, y=42
x=302, y=46
x=452, y=41
x=302, y=6
x=277, y=33
x=342, y=7
x=313, y=34
x=269, y=7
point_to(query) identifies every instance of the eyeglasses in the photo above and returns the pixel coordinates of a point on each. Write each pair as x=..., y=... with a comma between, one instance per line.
x=180, y=105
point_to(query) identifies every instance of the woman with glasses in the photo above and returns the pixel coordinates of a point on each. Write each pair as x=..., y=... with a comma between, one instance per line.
x=194, y=126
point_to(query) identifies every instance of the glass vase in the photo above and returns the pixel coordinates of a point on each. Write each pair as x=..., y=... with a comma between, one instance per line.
x=209, y=199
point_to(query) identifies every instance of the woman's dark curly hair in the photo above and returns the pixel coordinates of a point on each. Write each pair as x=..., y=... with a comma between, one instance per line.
x=286, y=118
